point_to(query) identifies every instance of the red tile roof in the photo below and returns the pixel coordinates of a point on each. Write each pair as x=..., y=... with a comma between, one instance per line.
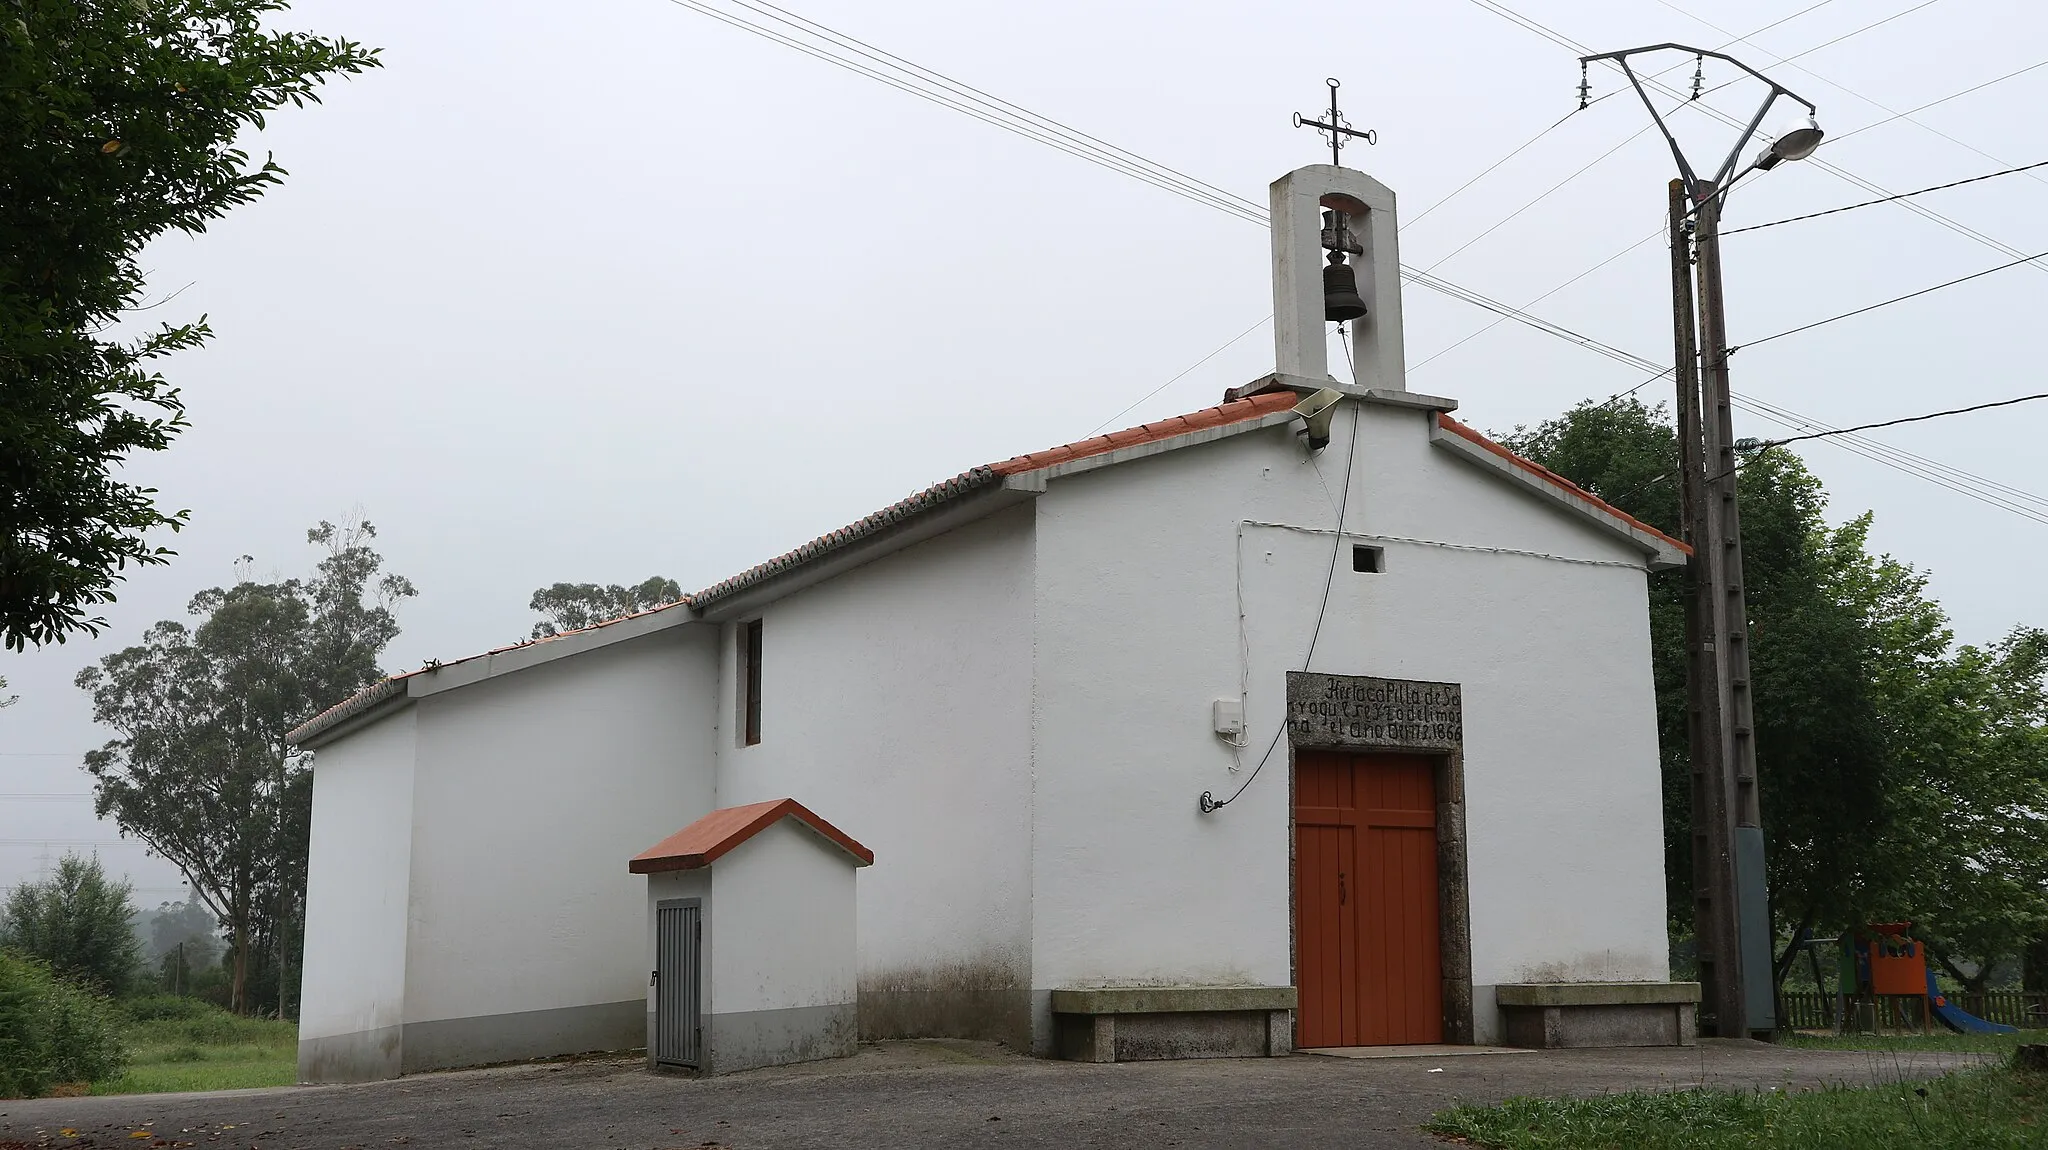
x=1544, y=473
x=391, y=685
x=703, y=842
x=959, y=486
x=965, y=483
x=991, y=474
x=1222, y=415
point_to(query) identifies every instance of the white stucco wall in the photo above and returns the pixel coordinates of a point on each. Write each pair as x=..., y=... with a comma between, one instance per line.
x=896, y=704
x=533, y=791
x=784, y=920
x=1138, y=604
x=358, y=862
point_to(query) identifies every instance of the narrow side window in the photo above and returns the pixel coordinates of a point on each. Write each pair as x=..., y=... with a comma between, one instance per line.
x=750, y=682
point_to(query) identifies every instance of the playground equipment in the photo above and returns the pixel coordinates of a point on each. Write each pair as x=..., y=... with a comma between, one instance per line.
x=1883, y=966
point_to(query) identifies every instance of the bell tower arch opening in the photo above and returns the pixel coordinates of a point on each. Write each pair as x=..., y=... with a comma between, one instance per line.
x=1337, y=258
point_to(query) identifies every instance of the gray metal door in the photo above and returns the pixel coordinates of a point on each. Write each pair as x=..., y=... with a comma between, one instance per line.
x=679, y=982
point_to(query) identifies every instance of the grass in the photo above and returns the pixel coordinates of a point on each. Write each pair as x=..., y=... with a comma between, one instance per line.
x=1991, y=1108
x=1940, y=1040
x=211, y=1050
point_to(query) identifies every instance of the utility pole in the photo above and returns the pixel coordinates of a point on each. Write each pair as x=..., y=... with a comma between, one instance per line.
x=1731, y=908
x=1751, y=1005
x=1713, y=855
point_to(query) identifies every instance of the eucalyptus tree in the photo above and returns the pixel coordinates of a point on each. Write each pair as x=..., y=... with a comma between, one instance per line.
x=201, y=771
x=574, y=606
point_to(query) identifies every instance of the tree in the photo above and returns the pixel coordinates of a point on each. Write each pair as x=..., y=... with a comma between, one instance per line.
x=182, y=938
x=574, y=606
x=121, y=121
x=76, y=921
x=9, y=700
x=1902, y=777
x=202, y=772
x=1981, y=809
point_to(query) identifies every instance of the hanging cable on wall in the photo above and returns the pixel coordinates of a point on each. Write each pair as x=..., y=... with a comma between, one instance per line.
x=1209, y=802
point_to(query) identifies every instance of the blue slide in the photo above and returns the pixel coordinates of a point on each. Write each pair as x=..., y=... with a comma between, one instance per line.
x=1957, y=1019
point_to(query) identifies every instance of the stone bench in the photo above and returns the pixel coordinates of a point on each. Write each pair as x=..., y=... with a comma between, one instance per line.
x=1141, y=1023
x=1562, y=1015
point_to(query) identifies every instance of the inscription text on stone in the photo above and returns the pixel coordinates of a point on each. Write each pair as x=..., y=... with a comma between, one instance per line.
x=1347, y=710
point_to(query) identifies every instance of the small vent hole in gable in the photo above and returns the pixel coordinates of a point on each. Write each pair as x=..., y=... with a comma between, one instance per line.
x=1371, y=560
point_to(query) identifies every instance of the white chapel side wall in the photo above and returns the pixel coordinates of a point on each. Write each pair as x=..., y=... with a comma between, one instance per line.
x=528, y=934
x=1141, y=573
x=896, y=705
x=352, y=989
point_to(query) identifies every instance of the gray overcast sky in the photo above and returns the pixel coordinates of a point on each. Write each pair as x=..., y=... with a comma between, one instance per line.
x=602, y=290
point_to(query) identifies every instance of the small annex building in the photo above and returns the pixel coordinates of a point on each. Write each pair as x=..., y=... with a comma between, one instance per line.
x=1313, y=718
x=751, y=940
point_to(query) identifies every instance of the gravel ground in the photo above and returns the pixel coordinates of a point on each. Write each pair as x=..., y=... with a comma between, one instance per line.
x=919, y=1094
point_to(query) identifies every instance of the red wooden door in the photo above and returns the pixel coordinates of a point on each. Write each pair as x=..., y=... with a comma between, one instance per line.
x=1366, y=939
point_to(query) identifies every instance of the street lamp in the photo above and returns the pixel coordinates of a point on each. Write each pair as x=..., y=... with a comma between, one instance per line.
x=1731, y=904
x=1796, y=144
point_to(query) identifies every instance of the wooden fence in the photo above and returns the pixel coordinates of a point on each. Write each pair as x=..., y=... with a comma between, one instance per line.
x=1806, y=1010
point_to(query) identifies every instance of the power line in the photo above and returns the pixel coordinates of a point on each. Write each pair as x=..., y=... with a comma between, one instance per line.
x=1826, y=43
x=1887, y=303
x=792, y=19
x=1488, y=170
x=989, y=114
x=1835, y=170
x=1898, y=458
x=1582, y=171
x=1797, y=55
x=1879, y=105
x=968, y=101
x=1906, y=419
x=1909, y=113
x=1544, y=195
x=1496, y=322
x=73, y=842
x=1183, y=373
x=1888, y=199
x=1851, y=437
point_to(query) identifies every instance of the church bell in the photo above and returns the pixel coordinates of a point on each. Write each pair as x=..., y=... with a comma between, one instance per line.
x=1341, y=301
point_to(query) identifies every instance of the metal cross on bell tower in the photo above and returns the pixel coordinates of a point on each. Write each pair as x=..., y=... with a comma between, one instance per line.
x=1336, y=128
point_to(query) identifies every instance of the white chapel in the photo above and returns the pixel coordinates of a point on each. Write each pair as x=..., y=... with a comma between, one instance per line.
x=1311, y=719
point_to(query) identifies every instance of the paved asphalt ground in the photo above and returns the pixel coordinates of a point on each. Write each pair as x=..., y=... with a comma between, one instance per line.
x=922, y=1094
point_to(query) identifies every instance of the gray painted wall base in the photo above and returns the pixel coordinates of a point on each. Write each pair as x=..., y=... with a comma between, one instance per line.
x=365, y=1056
x=989, y=1014
x=445, y=1044
x=750, y=1039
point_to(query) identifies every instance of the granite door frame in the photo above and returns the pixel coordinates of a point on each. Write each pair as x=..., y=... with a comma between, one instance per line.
x=1370, y=728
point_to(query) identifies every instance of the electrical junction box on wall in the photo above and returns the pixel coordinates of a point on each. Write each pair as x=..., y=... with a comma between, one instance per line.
x=1228, y=715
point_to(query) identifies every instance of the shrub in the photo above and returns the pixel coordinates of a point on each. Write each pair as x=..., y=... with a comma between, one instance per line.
x=52, y=1031
x=157, y=1007
x=76, y=921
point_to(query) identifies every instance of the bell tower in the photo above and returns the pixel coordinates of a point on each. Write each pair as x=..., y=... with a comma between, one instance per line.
x=1328, y=221
x=1336, y=259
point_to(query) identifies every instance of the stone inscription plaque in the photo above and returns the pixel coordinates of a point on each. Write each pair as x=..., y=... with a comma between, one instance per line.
x=1356, y=711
